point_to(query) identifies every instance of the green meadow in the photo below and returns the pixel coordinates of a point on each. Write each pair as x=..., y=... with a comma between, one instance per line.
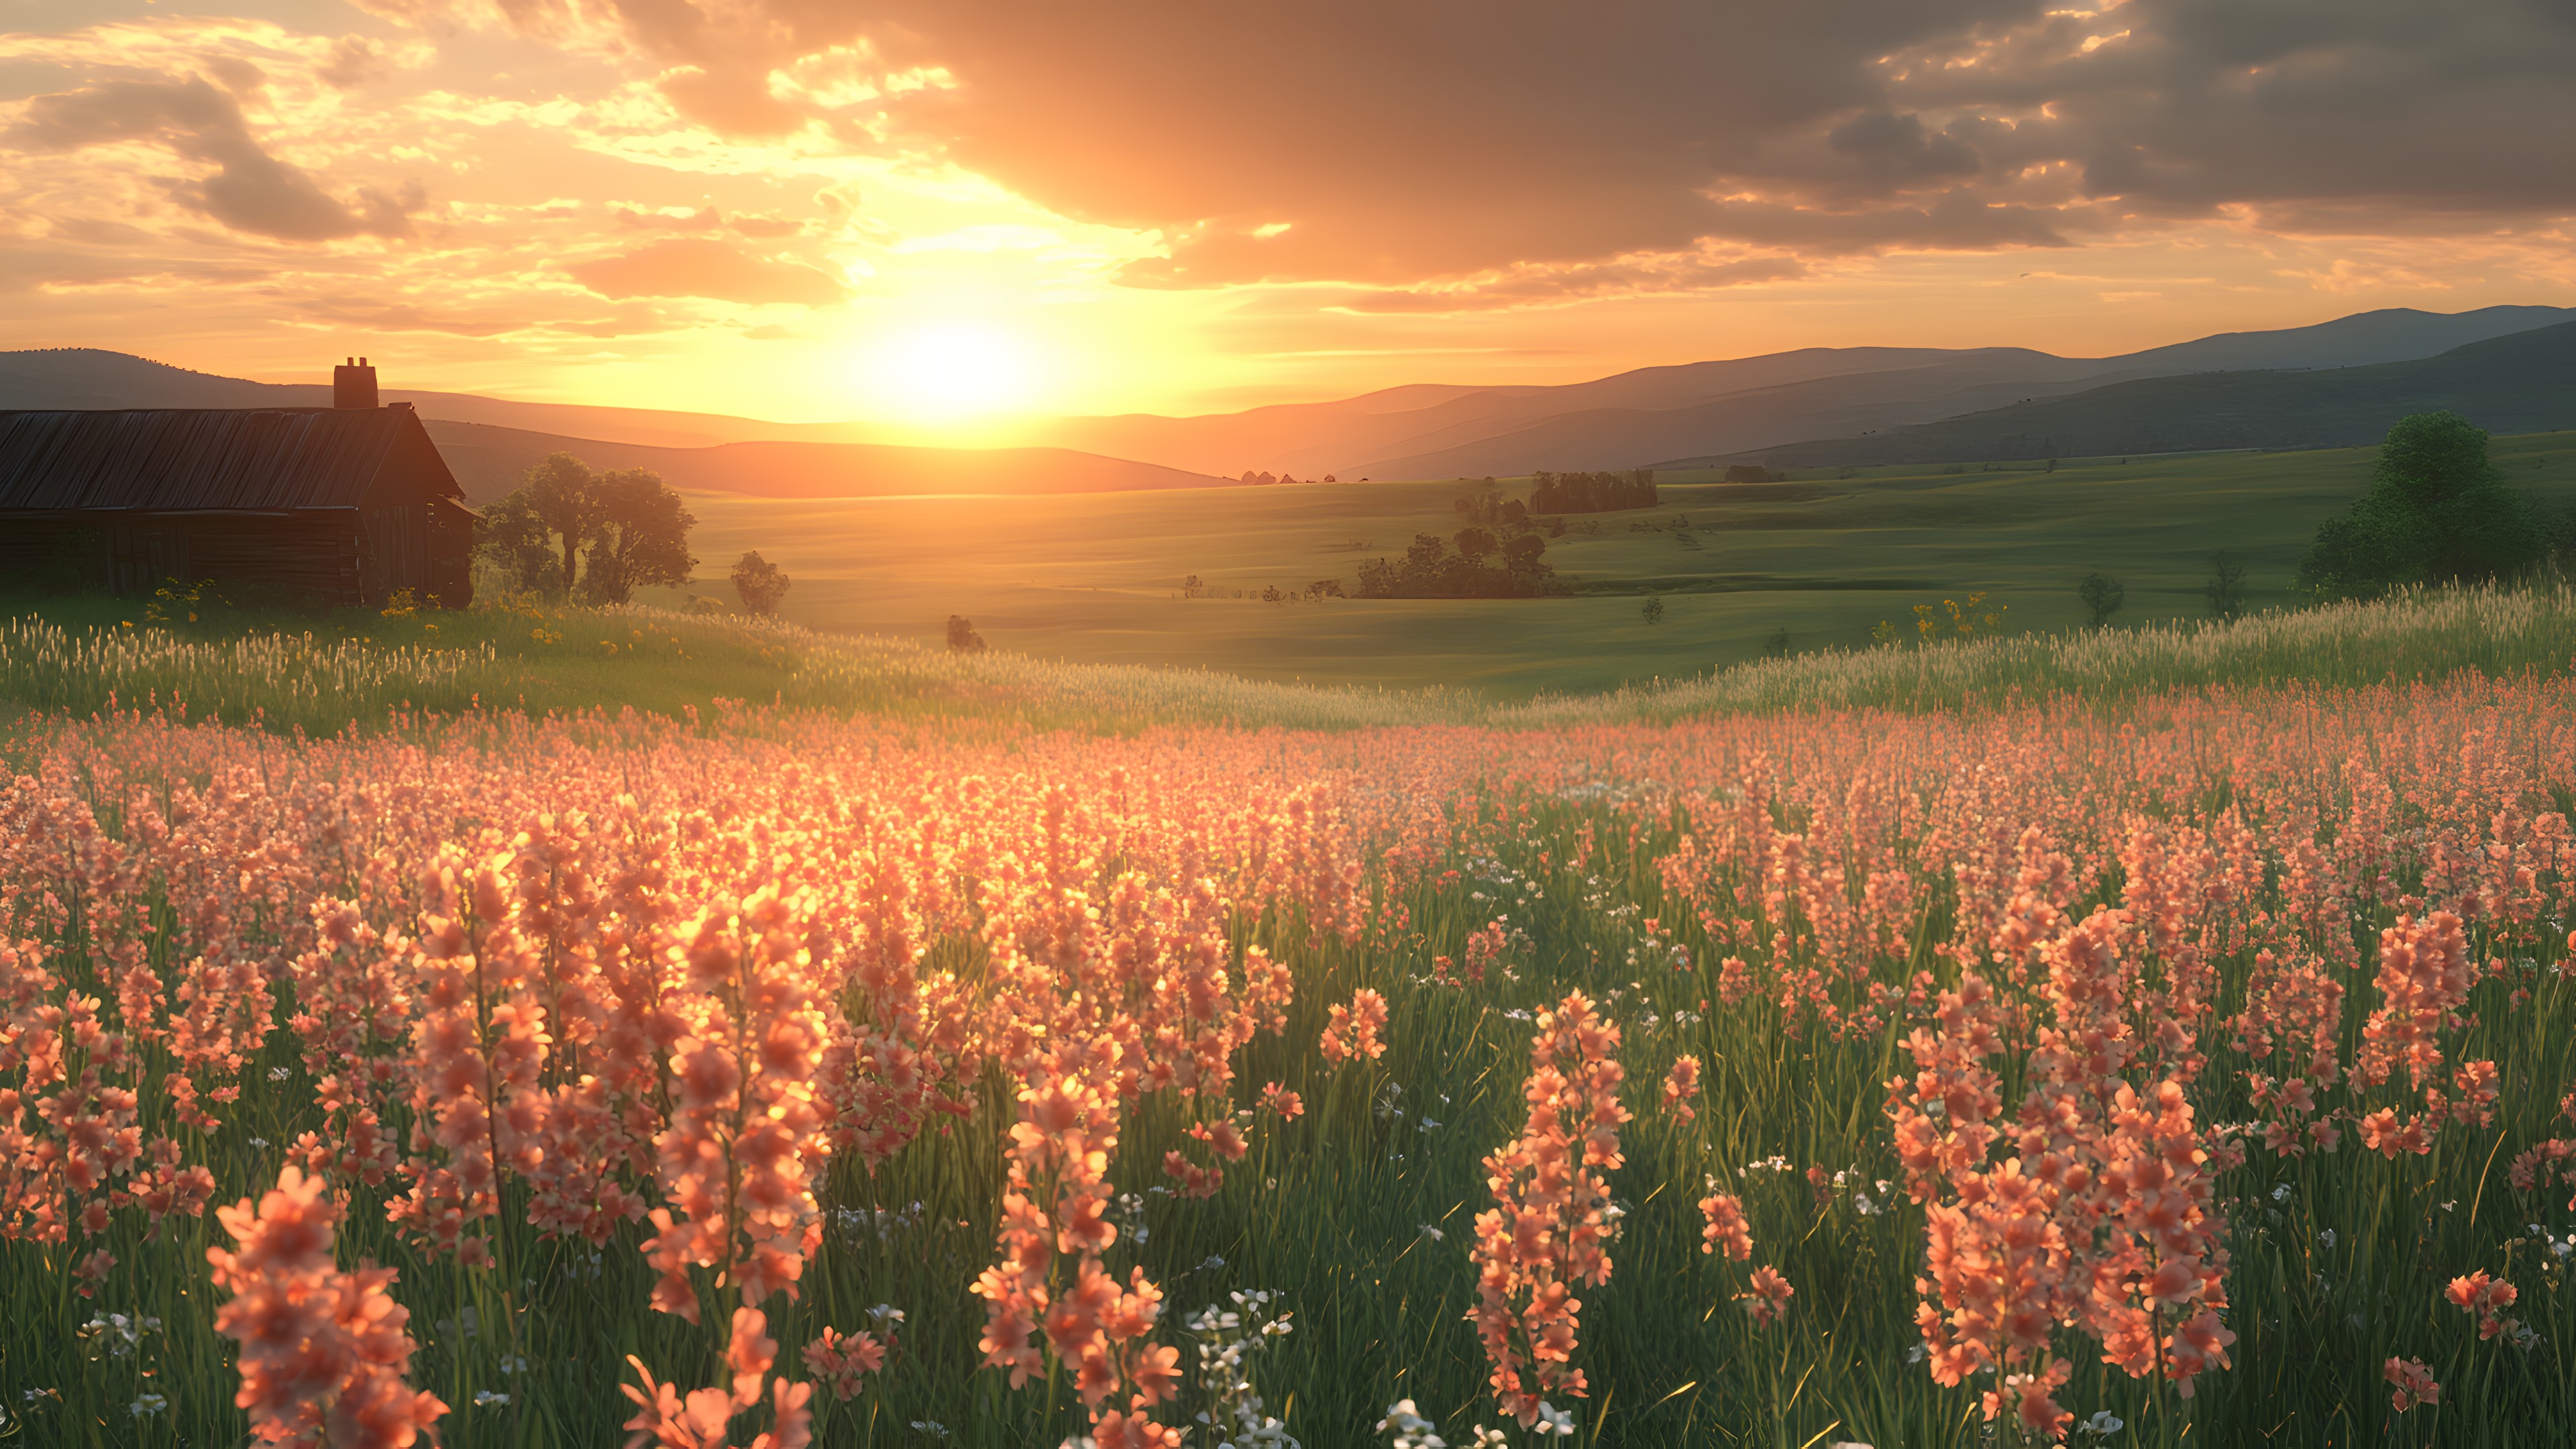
x=1098, y=578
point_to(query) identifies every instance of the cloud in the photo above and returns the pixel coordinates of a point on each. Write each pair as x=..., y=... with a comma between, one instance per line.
x=249, y=190
x=684, y=267
x=377, y=315
x=1440, y=140
x=1650, y=276
x=355, y=60
x=26, y=269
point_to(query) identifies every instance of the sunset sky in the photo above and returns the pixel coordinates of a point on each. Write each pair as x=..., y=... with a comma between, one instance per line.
x=946, y=213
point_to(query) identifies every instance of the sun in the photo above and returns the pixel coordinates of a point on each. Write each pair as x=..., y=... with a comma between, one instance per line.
x=945, y=372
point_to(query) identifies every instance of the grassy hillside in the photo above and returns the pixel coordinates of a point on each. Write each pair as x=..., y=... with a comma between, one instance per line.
x=1098, y=578
x=2521, y=383
x=196, y=660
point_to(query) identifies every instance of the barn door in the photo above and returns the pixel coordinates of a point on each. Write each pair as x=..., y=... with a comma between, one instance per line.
x=141, y=555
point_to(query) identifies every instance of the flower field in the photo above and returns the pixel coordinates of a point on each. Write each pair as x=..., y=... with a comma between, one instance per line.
x=2195, y=1067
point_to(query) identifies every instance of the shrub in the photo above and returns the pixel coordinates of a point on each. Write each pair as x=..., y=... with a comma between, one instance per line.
x=759, y=583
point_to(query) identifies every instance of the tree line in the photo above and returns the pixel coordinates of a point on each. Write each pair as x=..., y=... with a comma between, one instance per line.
x=1592, y=492
x=1475, y=564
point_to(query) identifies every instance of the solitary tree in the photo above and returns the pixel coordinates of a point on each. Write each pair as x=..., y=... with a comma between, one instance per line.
x=2102, y=596
x=2437, y=511
x=759, y=583
x=962, y=636
x=1654, y=610
x=2226, y=587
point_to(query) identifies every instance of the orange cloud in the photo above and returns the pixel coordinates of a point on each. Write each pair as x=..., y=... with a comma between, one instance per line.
x=249, y=190
x=690, y=267
x=1214, y=201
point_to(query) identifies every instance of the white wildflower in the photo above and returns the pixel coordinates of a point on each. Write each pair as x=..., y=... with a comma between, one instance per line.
x=1411, y=1430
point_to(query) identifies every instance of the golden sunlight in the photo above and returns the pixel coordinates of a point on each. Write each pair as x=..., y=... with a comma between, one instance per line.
x=947, y=371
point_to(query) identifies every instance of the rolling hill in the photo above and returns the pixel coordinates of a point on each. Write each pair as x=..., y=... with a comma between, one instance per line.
x=489, y=442
x=488, y=461
x=1700, y=410
x=88, y=377
x=1710, y=408
x=2521, y=383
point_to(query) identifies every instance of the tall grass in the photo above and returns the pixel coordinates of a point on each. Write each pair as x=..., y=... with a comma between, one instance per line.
x=363, y=669
x=2412, y=636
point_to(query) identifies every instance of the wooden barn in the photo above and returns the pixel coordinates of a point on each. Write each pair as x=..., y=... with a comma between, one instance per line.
x=343, y=505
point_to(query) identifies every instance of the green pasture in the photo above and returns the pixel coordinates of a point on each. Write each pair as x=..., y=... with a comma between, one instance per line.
x=1098, y=577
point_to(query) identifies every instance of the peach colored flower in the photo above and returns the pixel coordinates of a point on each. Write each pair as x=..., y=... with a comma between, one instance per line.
x=323, y=1353
x=2414, y=1384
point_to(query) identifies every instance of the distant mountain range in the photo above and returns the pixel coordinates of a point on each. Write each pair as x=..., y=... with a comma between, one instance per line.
x=1707, y=409
x=87, y=377
x=490, y=442
x=489, y=462
x=2521, y=383
x=1861, y=404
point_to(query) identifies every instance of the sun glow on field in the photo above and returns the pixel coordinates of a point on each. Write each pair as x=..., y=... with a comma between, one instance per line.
x=947, y=372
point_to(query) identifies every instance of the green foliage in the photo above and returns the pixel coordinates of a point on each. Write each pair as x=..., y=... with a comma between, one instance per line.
x=1654, y=610
x=2102, y=596
x=513, y=538
x=561, y=493
x=641, y=540
x=1430, y=571
x=760, y=584
x=1481, y=503
x=2438, y=511
x=1591, y=492
x=634, y=526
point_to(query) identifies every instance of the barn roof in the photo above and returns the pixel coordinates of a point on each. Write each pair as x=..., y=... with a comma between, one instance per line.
x=190, y=459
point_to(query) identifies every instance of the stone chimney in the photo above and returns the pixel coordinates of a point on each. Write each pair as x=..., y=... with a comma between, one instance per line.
x=353, y=384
